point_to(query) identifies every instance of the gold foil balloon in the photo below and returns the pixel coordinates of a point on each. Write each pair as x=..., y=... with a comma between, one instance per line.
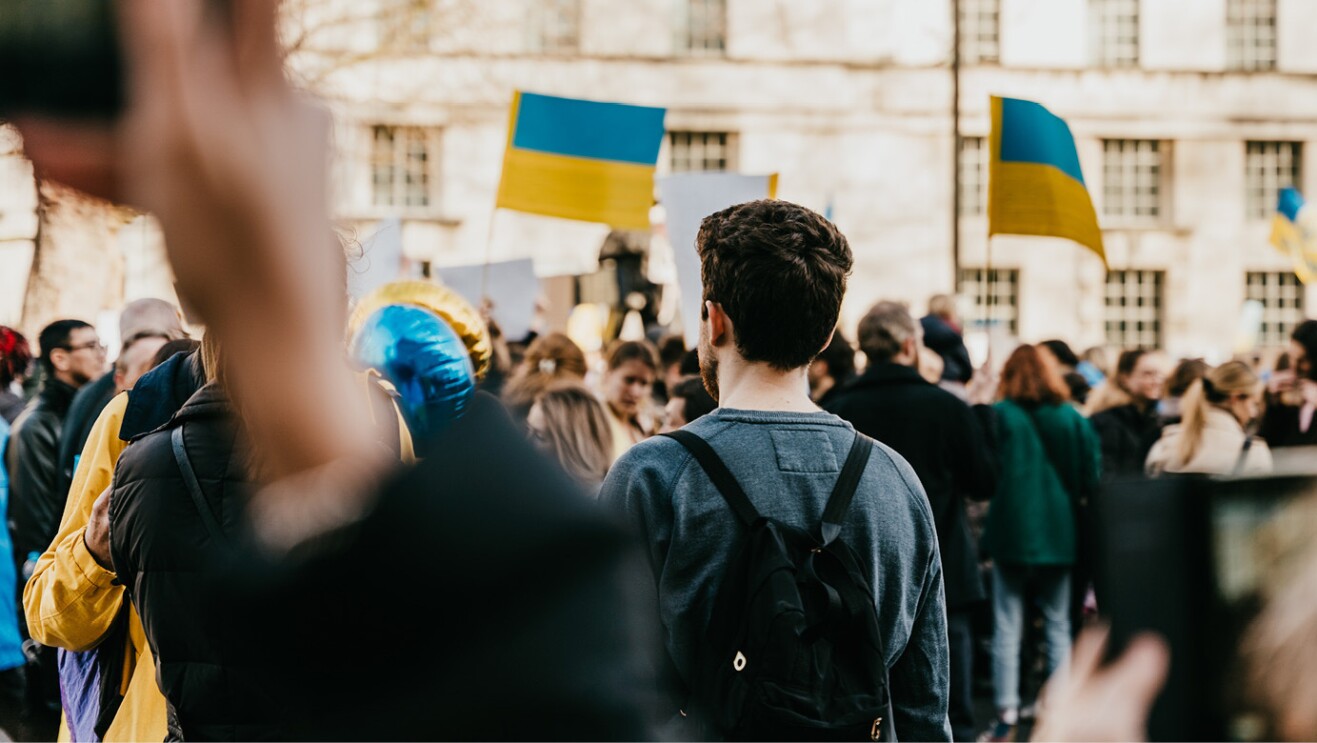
x=458, y=313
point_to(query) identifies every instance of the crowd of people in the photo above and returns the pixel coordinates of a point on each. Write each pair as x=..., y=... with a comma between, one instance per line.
x=776, y=534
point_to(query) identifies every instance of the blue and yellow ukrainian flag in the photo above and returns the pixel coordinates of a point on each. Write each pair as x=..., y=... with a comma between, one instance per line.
x=1294, y=233
x=1035, y=186
x=581, y=160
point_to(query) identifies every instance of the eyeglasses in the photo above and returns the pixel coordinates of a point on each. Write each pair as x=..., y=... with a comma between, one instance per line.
x=88, y=346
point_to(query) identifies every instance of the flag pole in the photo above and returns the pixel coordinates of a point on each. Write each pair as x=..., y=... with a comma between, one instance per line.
x=489, y=246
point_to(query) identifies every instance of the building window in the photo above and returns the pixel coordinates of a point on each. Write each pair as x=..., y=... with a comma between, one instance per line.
x=555, y=25
x=1251, y=34
x=1281, y=295
x=695, y=151
x=400, y=167
x=1133, y=309
x=1132, y=179
x=1114, y=32
x=973, y=176
x=702, y=27
x=405, y=25
x=1269, y=167
x=979, y=21
x=995, y=297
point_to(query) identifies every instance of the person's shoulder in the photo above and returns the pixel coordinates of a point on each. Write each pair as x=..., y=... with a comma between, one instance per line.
x=889, y=472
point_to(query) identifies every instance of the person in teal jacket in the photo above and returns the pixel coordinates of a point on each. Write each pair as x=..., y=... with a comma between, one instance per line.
x=11, y=644
x=1050, y=459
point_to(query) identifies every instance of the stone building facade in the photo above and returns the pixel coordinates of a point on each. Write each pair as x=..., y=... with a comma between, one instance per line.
x=1188, y=114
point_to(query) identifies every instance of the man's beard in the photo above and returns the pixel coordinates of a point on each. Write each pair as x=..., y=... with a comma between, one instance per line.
x=708, y=369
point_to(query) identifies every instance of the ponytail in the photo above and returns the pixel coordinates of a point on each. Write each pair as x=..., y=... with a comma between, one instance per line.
x=1212, y=390
x=1194, y=406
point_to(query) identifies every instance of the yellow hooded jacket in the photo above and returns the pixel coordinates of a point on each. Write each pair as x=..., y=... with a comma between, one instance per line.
x=71, y=601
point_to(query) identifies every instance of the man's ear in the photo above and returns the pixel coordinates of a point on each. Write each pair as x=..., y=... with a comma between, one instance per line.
x=59, y=360
x=720, y=326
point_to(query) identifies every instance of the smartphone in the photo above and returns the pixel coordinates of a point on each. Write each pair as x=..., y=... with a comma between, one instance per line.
x=61, y=59
x=1191, y=559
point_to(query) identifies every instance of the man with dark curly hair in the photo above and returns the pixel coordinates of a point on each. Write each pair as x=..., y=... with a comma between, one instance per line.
x=774, y=275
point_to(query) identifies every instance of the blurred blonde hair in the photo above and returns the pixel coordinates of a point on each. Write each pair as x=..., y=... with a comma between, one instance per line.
x=550, y=359
x=1213, y=389
x=576, y=428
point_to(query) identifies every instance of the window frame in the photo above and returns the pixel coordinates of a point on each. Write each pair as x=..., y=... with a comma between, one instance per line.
x=1262, y=181
x=1125, y=210
x=1122, y=339
x=729, y=146
x=400, y=181
x=972, y=278
x=973, y=191
x=977, y=45
x=1278, y=319
x=1106, y=46
x=712, y=43
x=1249, y=33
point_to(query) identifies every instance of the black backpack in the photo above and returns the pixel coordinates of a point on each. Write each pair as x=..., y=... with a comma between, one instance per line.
x=792, y=650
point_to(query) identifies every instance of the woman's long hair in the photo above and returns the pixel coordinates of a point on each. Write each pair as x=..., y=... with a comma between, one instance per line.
x=576, y=429
x=1213, y=390
x=1031, y=379
x=550, y=359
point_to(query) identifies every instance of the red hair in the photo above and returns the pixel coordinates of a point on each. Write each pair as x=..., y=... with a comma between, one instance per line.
x=1031, y=378
x=15, y=355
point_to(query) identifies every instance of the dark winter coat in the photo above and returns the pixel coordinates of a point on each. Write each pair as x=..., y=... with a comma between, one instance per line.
x=36, y=503
x=944, y=441
x=1127, y=435
x=946, y=341
x=170, y=565
x=83, y=412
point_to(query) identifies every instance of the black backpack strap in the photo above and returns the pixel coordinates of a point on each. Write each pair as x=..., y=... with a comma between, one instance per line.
x=194, y=486
x=721, y=476
x=1243, y=456
x=840, y=500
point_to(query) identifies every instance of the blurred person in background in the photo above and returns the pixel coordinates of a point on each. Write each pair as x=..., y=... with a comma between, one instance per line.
x=1213, y=436
x=1185, y=373
x=569, y=422
x=944, y=336
x=550, y=359
x=1068, y=363
x=1049, y=460
x=144, y=326
x=688, y=402
x=942, y=439
x=13, y=684
x=15, y=360
x=631, y=369
x=135, y=361
x=671, y=350
x=1094, y=365
x=832, y=370
x=1288, y=421
x=71, y=356
x=1124, y=412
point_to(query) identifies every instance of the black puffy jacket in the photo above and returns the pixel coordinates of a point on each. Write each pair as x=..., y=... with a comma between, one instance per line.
x=170, y=563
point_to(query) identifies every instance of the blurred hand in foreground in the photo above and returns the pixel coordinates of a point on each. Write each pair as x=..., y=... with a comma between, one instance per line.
x=233, y=162
x=1095, y=702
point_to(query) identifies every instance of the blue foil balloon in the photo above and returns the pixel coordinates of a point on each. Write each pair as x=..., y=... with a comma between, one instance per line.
x=424, y=359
